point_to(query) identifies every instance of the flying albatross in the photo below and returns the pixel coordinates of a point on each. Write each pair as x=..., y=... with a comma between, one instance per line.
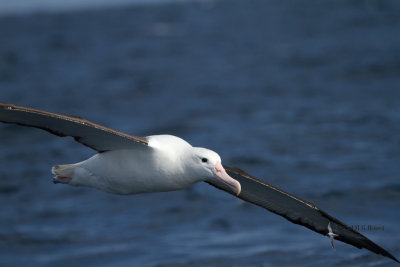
x=126, y=164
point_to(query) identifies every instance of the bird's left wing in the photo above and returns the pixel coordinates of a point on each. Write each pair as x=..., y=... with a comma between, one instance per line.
x=93, y=135
x=297, y=211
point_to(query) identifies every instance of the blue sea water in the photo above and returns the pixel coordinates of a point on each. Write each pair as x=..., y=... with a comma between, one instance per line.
x=302, y=94
x=56, y=6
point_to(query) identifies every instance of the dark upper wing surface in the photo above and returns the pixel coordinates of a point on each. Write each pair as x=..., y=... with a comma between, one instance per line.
x=298, y=211
x=95, y=136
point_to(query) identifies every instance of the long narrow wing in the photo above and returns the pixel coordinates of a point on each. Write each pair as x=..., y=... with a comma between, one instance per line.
x=95, y=136
x=298, y=211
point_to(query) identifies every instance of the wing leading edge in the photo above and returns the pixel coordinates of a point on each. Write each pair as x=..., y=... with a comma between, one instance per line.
x=93, y=135
x=298, y=211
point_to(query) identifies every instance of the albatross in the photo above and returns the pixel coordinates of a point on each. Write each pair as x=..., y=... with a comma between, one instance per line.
x=126, y=164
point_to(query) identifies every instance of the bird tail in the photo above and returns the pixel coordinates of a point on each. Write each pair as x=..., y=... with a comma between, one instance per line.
x=66, y=170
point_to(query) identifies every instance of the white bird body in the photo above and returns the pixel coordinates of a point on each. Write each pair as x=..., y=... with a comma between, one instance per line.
x=167, y=163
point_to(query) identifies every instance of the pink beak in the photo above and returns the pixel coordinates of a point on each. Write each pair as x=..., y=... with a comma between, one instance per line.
x=221, y=175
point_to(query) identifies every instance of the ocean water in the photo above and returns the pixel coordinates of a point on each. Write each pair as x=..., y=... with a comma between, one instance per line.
x=302, y=94
x=22, y=7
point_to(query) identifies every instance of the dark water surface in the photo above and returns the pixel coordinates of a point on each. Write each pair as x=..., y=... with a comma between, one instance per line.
x=303, y=94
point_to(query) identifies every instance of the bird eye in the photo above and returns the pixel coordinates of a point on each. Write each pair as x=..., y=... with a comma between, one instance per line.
x=204, y=160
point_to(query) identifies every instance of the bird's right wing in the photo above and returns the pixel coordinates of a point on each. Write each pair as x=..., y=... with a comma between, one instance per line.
x=93, y=135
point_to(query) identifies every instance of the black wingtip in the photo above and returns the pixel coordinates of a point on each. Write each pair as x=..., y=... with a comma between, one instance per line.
x=360, y=242
x=383, y=252
x=391, y=256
